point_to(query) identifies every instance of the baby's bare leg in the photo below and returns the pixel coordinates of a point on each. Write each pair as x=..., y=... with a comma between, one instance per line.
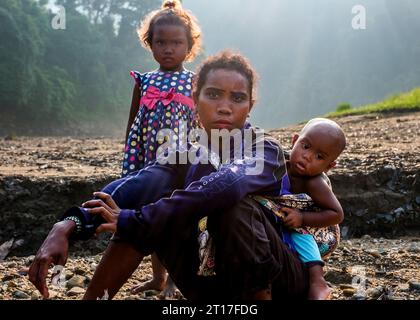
x=119, y=262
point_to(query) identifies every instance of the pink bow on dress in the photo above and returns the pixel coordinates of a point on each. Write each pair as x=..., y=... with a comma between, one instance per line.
x=153, y=95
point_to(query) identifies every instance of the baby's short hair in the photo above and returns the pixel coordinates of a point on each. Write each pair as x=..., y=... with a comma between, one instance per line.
x=332, y=126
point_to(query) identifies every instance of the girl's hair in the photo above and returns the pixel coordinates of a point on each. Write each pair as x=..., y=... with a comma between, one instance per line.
x=226, y=60
x=171, y=13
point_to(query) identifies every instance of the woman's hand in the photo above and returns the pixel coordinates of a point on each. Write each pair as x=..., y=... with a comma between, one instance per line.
x=107, y=208
x=293, y=219
x=54, y=250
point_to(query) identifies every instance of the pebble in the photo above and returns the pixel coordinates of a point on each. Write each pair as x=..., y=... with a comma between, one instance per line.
x=414, y=285
x=414, y=247
x=346, y=286
x=20, y=295
x=8, y=277
x=380, y=272
x=76, y=281
x=80, y=271
x=349, y=292
x=375, y=293
x=150, y=293
x=29, y=260
x=404, y=287
x=75, y=291
x=35, y=295
x=374, y=253
x=346, y=250
x=358, y=296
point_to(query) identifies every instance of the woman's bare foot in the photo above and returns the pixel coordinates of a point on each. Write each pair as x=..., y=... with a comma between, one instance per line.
x=159, y=278
x=169, y=291
x=319, y=291
x=157, y=284
x=318, y=287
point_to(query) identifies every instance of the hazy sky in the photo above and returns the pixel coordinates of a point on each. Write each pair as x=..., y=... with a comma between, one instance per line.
x=308, y=56
x=296, y=43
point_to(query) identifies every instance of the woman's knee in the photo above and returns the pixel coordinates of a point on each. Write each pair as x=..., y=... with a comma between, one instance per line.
x=241, y=219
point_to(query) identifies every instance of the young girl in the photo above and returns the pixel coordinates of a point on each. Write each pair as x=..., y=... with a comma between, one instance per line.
x=162, y=99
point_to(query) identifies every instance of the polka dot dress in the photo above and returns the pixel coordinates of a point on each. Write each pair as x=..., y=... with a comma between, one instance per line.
x=142, y=143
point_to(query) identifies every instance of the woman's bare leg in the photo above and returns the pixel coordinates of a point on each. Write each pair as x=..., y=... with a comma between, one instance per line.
x=119, y=262
x=159, y=278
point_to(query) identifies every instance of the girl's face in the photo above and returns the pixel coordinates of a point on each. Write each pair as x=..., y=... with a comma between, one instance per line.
x=170, y=46
x=224, y=101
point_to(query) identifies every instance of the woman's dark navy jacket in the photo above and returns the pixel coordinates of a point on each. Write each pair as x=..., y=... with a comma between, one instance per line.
x=179, y=195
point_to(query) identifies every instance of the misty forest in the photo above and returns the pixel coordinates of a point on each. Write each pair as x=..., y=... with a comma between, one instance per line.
x=74, y=79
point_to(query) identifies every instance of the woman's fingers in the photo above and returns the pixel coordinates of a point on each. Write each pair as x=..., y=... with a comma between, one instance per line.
x=38, y=274
x=107, y=199
x=106, y=227
x=96, y=204
x=105, y=212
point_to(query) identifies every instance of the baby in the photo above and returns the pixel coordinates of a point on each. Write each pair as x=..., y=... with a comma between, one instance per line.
x=314, y=152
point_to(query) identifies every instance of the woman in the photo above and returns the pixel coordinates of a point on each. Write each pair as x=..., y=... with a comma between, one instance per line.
x=252, y=262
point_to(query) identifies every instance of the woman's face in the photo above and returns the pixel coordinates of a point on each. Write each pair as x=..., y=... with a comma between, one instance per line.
x=224, y=101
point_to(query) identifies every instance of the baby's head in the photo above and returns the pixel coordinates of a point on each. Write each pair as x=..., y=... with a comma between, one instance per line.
x=316, y=147
x=171, y=25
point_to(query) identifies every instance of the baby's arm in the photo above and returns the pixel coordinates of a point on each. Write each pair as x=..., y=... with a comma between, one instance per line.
x=135, y=101
x=331, y=211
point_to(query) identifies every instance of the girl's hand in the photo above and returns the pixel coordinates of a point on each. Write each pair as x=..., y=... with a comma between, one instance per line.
x=293, y=219
x=107, y=208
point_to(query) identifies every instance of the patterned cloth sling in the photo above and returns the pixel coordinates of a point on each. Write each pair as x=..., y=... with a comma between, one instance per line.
x=326, y=238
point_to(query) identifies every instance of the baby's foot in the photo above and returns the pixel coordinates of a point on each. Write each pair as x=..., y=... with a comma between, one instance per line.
x=154, y=284
x=319, y=291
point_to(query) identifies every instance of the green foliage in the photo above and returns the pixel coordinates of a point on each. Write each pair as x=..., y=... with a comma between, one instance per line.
x=63, y=81
x=408, y=101
x=343, y=107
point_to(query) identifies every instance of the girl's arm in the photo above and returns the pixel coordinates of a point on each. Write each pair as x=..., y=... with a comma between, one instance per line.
x=324, y=198
x=135, y=101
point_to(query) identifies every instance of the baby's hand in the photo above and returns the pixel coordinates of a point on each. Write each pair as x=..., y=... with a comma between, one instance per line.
x=293, y=219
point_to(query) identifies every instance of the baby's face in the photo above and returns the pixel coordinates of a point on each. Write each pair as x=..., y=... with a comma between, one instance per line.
x=314, y=152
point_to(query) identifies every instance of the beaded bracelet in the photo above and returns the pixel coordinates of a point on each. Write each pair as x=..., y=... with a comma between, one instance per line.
x=77, y=221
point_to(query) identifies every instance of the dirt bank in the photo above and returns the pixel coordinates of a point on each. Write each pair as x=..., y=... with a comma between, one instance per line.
x=377, y=180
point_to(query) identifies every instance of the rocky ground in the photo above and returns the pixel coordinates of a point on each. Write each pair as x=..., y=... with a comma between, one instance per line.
x=361, y=268
x=366, y=268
